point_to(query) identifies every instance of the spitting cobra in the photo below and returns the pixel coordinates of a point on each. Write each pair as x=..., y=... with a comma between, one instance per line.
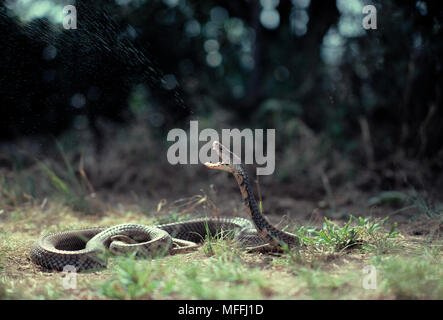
x=86, y=249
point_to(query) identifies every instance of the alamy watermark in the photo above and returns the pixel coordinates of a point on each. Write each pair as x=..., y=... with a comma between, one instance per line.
x=70, y=18
x=370, y=279
x=370, y=20
x=70, y=278
x=178, y=152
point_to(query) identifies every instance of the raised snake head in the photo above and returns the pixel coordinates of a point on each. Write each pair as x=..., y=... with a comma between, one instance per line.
x=229, y=161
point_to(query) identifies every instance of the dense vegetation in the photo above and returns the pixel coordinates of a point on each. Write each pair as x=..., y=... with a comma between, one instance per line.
x=315, y=62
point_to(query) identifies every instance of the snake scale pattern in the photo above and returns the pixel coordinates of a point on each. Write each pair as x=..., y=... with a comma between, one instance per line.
x=86, y=248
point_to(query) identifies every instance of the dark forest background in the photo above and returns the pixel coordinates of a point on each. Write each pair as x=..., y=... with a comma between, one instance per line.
x=304, y=67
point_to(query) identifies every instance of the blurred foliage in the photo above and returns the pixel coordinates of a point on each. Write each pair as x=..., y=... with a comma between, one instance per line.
x=264, y=63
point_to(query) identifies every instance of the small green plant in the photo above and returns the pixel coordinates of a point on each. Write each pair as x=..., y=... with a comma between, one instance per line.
x=413, y=200
x=17, y=189
x=73, y=190
x=393, y=198
x=208, y=248
x=220, y=243
x=426, y=206
x=133, y=280
x=356, y=231
x=174, y=216
x=337, y=237
x=379, y=242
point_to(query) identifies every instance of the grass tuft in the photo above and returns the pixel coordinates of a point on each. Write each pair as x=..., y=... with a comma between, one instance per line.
x=73, y=190
x=361, y=232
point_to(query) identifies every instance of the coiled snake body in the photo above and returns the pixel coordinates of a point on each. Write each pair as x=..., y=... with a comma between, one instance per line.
x=84, y=249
